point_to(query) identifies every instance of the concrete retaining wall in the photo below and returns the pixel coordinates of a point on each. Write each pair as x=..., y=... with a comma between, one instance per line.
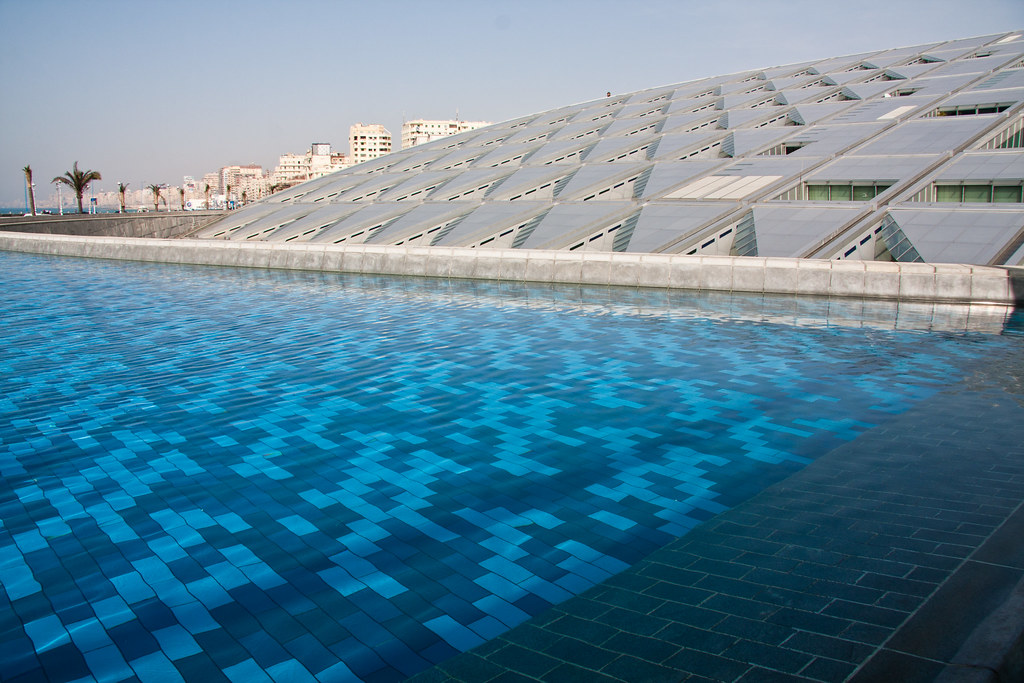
x=159, y=225
x=865, y=279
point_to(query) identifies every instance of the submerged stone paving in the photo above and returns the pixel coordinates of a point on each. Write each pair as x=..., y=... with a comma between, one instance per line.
x=876, y=562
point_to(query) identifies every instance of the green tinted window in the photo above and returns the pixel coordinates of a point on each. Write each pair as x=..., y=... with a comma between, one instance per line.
x=817, y=193
x=977, y=193
x=948, y=193
x=840, y=193
x=1008, y=194
x=863, y=193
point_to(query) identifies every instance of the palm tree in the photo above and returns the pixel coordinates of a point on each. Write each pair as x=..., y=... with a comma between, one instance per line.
x=245, y=194
x=155, y=189
x=206, y=193
x=181, y=196
x=31, y=192
x=121, y=187
x=227, y=196
x=78, y=181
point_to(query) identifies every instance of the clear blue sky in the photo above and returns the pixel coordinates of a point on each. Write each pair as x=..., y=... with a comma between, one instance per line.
x=146, y=92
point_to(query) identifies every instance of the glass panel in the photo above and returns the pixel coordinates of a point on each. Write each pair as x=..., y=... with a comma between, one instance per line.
x=977, y=193
x=1007, y=194
x=840, y=193
x=1013, y=141
x=900, y=249
x=948, y=193
x=817, y=193
x=863, y=193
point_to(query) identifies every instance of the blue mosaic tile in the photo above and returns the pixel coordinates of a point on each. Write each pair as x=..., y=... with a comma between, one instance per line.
x=247, y=672
x=244, y=475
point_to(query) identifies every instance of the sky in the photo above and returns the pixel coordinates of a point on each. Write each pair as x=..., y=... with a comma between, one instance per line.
x=148, y=92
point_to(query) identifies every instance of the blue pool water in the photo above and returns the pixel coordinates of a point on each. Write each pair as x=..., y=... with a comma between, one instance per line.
x=215, y=474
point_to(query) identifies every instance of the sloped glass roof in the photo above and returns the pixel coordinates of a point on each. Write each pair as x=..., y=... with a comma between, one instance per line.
x=596, y=177
x=968, y=235
x=491, y=218
x=871, y=168
x=865, y=91
x=469, y=182
x=825, y=140
x=839, y=64
x=272, y=221
x=420, y=219
x=237, y=219
x=362, y=222
x=415, y=184
x=806, y=114
x=882, y=109
x=675, y=146
x=908, y=71
x=1004, y=96
x=1008, y=78
x=307, y=227
x=687, y=122
x=672, y=166
x=573, y=221
x=672, y=174
x=797, y=95
x=927, y=136
x=984, y=166
x=934, y=85
x=531, y=179
x=788, y=231
x=662, y=225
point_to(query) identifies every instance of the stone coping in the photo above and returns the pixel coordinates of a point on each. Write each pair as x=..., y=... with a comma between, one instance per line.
x=864, y=279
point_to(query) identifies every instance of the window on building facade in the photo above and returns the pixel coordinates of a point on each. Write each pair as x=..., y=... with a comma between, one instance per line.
x=975, y=193
x=843, y=192
x=971, y=110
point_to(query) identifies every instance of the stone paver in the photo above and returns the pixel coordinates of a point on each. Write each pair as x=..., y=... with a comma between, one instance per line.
x=876, y=562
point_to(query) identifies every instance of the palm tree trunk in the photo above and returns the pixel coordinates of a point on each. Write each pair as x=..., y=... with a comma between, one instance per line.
x=80, y=209
x=31, y=191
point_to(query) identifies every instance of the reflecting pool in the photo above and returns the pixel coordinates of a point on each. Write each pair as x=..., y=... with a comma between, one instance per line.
x=217, y=474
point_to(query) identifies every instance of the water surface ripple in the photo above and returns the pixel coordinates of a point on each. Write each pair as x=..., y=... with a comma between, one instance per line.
x=214, y=474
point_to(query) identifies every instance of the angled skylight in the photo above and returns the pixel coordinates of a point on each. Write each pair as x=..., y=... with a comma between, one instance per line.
x=763, y=161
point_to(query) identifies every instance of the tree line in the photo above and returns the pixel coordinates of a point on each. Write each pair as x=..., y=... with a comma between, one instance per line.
x=79, y=180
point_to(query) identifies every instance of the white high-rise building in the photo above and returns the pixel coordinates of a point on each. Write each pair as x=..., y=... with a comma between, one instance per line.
x=247, y=183
x=419, y=131
x=211, y=180
x=291, y=168
x=368, y=142
x=317, y=162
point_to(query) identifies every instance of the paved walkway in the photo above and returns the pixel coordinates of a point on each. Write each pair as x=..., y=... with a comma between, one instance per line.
x=898, y=556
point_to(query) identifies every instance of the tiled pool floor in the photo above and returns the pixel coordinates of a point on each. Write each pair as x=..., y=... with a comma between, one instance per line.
x=226, y=475
x=877, y=562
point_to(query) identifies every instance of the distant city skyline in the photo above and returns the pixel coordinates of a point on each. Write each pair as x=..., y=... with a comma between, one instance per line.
x=150, y=93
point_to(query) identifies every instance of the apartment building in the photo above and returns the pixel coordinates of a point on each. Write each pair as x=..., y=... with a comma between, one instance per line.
x=368, y=142
x=317, y=162
x=420, y=131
